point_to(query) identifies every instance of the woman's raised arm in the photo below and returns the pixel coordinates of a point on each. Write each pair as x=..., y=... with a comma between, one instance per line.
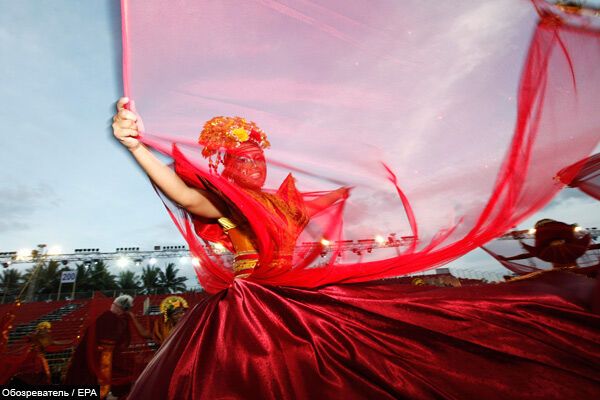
x=196, y=201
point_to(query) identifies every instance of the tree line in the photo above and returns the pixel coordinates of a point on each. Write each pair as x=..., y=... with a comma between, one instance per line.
x=96, y=276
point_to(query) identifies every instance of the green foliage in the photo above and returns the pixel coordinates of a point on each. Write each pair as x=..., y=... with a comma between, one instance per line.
x=150, y=279
x=155, y=280
x=100, y=278
x=170, y=282
x=128, y=280
x=48, y=276
x=94, y=276
x=11, y=279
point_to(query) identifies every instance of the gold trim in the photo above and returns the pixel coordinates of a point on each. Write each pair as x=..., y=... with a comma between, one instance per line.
x=241, y=265
x=245, y=253
x=105, y=369
x=226, y=224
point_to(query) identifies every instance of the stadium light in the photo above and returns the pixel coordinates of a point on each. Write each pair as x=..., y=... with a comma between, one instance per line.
x=195, y=262
x=152, y=261
x=379, y=239
x=122, y=262
x=54, y=251
x=325, y=242
x=577, y=229
x=23, y=253
x=531, y=231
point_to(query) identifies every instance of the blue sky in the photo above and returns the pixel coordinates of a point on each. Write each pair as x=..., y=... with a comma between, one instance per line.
x=64, y=180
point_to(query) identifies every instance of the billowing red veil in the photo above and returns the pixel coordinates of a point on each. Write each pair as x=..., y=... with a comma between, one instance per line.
x=584, y=175
x=449, y=120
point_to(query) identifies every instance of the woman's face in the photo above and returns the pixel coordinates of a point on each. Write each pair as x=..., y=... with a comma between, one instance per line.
x=178, y=314
x=246, y=166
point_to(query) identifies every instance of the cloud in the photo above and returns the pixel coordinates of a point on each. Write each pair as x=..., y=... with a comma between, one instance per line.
x=567, y=194
x=19, y=203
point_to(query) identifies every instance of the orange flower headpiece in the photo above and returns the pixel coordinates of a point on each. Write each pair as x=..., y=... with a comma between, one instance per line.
x=172, y=303
x=222, y=134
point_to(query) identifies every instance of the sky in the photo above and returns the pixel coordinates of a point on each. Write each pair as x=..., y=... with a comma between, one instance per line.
x=64, y=180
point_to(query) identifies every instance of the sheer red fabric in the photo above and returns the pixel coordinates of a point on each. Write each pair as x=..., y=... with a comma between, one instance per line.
x=412, y=105
x=528, y=340
x=584, y=175
x=404, y=93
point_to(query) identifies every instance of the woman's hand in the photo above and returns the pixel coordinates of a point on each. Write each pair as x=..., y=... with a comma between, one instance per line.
x=125, y=125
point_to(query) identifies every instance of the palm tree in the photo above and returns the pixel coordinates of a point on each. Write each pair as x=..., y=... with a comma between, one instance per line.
x=48, y=276
x=170, y=282
x=83, y=281
x=150, y=279
x=100, y=277
x=10, y=280
x=128, y=280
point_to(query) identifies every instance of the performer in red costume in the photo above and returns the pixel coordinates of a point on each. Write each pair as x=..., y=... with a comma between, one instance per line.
x=556, y=243
x=6, y=324
x=371, y=340
x=173, y=309
x=34, y=370
x=97, y=359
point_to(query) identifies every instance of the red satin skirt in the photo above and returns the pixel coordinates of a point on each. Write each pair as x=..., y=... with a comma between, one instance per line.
x=533, y=339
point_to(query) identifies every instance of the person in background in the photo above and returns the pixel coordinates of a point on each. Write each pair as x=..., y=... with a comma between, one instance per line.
x=172, y=308
x=34, y=369
x=97, y=359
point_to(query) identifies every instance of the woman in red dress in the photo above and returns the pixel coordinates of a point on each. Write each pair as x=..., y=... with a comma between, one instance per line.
x=532, y=339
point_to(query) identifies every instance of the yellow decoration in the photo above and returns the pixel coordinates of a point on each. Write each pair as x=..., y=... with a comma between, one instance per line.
x=43, y=325
x=172, y=303
x=222, y=134
x=241, y=134
x=418, y=282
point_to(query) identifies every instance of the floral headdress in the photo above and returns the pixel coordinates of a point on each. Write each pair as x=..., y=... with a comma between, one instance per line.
x=418, y=282
x=222, y=134
x=172, y=303
x=43, y=325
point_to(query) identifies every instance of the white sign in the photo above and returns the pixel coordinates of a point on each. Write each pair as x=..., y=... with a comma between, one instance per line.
x=68, y=276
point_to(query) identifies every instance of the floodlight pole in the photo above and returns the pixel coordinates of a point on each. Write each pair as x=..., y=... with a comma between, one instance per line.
x=59, y=289
x=73, y=290
x=39, y=256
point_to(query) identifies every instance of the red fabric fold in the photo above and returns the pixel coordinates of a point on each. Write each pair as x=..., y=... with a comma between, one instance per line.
x=535, y=339
x=583, y=175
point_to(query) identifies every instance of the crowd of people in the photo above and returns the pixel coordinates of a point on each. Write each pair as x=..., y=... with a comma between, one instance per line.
x=97, y=358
